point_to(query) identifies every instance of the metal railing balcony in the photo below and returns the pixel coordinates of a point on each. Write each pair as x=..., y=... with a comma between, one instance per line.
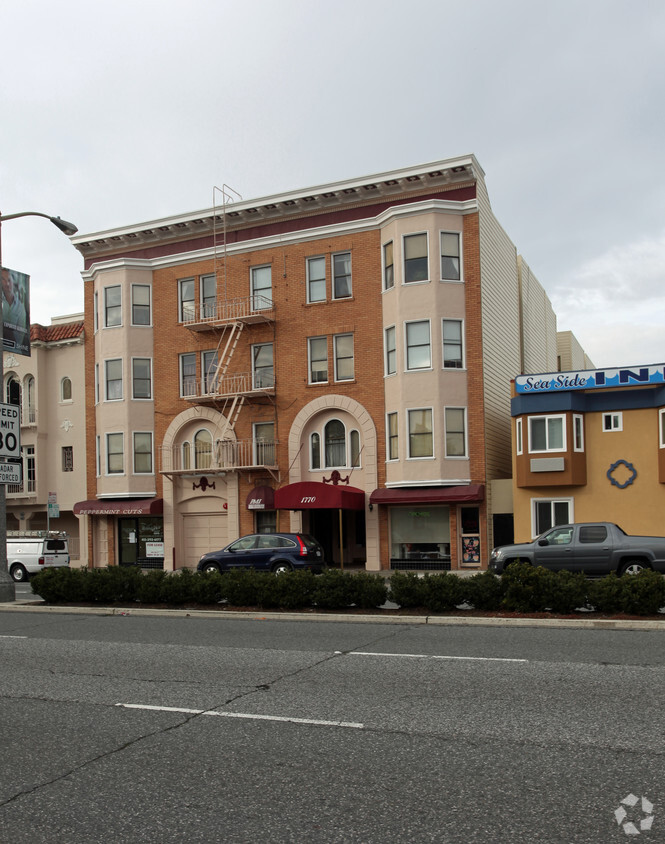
x=222, y=456
x=225, y=386
x=247, y=309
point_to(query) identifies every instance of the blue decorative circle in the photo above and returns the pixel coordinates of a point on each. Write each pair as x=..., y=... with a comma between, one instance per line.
x=628, y=466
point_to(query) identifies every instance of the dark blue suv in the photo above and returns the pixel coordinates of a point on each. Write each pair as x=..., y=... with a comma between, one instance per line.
x=276, y=552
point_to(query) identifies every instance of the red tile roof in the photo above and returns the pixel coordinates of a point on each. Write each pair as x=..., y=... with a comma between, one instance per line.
x=56, y=333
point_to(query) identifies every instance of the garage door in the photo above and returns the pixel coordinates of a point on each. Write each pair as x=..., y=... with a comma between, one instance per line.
x=202, y=532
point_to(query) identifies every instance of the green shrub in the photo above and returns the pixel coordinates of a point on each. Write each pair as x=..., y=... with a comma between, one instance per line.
x=568, y=592
x=177, y=588
x=207, y=588
x=604, y=595
x=443, y=591
x=527, y=588
x=59, y=584
x=483, y=591
x=643, y=593
x=334, y=589
x=370, y=589
x=241, y=587
x=407, y=590
x=149, y=589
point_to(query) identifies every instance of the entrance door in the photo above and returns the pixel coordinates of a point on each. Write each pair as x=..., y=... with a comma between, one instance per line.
x=141, y=541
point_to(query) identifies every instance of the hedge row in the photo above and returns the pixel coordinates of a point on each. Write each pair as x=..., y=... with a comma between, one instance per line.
x=521, y=588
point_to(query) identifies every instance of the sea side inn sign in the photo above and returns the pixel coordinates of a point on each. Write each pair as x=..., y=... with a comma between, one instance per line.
x=590, y=379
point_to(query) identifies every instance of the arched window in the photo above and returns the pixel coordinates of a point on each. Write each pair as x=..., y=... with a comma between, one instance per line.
x=335, y=443
x=354, y=445
x=66, y=389
x=31, y=407
x=186, y=456
x=315, y=451
x=202, y=449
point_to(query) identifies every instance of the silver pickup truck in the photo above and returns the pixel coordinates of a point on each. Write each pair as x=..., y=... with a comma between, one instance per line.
x=596, y=548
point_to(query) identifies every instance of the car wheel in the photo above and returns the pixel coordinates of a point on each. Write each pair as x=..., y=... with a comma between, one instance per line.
x=18, y=573
x=211, y=568
x=634, y=567
x=282, y=567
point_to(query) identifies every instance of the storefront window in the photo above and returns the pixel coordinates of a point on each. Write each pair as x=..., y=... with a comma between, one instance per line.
x=420, y=533
x=141, y=541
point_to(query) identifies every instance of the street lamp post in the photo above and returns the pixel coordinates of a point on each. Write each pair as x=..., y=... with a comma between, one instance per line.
x=7, y=589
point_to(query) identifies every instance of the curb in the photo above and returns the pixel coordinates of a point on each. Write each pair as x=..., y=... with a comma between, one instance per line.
x=435, y=620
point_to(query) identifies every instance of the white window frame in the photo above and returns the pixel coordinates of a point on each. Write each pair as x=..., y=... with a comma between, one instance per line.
x=310, y=359
x=208, y=308
x=408, y=433
x=407, y=347
x=390, y=436
x=95, y=312
x=106, y=306
x=122, y=452
x=337, y=358
x=181, y=301
x=459, y=256
x=270, y=382
x=462, y=344
x=578, y=432
x=389, y=352
x=121, y=380
x=611, y=421
x=209, y=373
x=98, y=455
x=345, y=464
x=334, y=277
x=465, y=433
x=62, y=390
x=260, y=302
x=384, y=266
x=314, y=448
x=310, y=260
x=134, y=396
x=547, y=418
x=182, y=376
x=96, y=383
x=261, y=446
x=552, y=502
x=148, y=306
x=405, y=237
x=519, y=437
x=152, y=452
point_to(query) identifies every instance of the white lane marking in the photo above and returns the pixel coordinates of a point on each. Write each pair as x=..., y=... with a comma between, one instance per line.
x=13, y=637
x=246, y=715
x=435, y=656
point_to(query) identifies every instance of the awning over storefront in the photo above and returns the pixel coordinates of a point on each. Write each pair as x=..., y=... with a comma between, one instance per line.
x=126, y=507
x=428, y=495
x=261, y=498
x=313, y=495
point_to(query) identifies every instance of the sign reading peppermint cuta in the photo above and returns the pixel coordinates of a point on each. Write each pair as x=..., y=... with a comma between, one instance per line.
x=589, y=379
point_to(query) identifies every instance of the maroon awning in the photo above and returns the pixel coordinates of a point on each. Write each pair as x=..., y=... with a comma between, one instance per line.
x=428, y=495
x=313, y=495
x=126, y=507
x=261, y=498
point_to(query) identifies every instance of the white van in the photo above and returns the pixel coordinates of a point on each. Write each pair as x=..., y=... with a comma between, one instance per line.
x=34, y=551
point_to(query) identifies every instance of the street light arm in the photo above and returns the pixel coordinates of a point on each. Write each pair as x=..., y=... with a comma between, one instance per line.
x=63, y=225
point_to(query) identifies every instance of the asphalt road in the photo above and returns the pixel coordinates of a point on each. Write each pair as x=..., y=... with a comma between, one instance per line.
x=140, y=729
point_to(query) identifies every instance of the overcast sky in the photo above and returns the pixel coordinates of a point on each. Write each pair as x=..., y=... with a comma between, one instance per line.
x=114, y=113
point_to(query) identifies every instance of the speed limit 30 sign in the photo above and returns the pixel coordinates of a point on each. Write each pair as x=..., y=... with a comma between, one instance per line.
x=10, y=431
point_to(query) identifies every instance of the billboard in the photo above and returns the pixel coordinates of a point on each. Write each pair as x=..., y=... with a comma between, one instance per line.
x=15, y=312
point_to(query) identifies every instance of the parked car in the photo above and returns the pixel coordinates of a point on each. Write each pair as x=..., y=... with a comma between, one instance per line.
x=596, y=548
x=276, y=552
x=29, y=553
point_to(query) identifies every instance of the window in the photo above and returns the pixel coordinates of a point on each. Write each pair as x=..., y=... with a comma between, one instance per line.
x=95, y=312
x=547, y=433
x=143, y=453
x=391, y=350
x=66, y=389
x=316, y=279
x=261, y=286
x=186, y=455
x=96, y=383
x=30, y=397
x=318, y=360
x=393, y=436
x=112, y=306
x=115, y=461
x=418, y=347
x=416, y=266
x=343, y=349
x=421, y=440
x=455, y=424
x=263, y=371
x=141, y=378
x=547, y=513
x=209, y=370
x=68, y=458
x=388, y=266
x=140, y=304
x=186, y=299
x=612, y=422
x=208, y=295
x=98, y=455
x=113, y=379
x=450, y=256
x=202, y=449
x=578, y=432
x=354, y=445
x=661, y=427
x=188, y=375
x=264, y=443
x=335, y=443
x=453, y=357
x=315, y=451
x=593, y=533
x=30, y=468
x=342, y=275
x=518, y=436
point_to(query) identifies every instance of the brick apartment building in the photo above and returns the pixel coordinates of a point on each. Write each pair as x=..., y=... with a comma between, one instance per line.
x=335, y=360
